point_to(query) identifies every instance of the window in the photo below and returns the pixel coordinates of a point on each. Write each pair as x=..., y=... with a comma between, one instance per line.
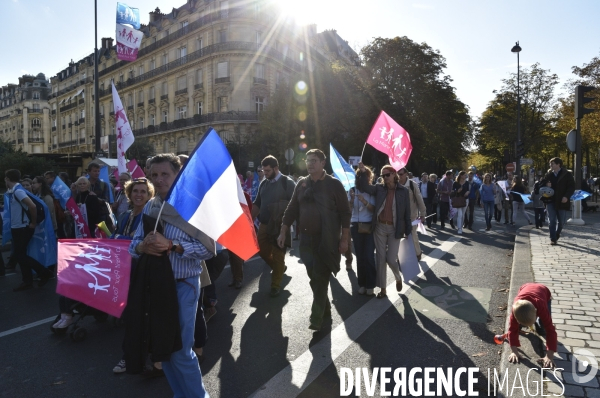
x=82, y=133
x=199, y=76
x=141, y=122
x=222, y=69
x=166, y=33
x=54, y=123
x=222, y=36
x=152, y=64
x=140, y=70
x=258, y=38
x=36, y=95
x=101, y=110
x=121, y=78
x=199, y=44
x=130, y=76
x=141, y=96
x=55, y=140
x=260, y=104
x=224, y=7
x=182, y=112
x=112, y=130
x=165, y=59
x=151, y=93
x=181, y=82
x=151, y=119
x=222, y=104
x=183, y=24
x=181, y=52
x=129, y=99
x=166, y=146
x=165, y=116
x=36, y=123
x=199, y=108
x=259, y=70
x=36, y=107
x=112, y=107
x=82, y=114
x=165, y=88
x=24, y=96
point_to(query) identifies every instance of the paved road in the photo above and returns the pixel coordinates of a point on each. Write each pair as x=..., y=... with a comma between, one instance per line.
x=262, y=346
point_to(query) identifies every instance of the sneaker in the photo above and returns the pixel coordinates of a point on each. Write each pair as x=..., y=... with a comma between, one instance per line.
x=120, y=367
x=275, y=291
x=460, y=231
x=209, y=313
x=362, y=290
x=238, y=284
x=65, y=323
x=62, y=318
x=370, y=292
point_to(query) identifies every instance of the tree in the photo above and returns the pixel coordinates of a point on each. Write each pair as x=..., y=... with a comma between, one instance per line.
x=496, y=135
x=27, y=165
x=406, y=79
x=140, y=150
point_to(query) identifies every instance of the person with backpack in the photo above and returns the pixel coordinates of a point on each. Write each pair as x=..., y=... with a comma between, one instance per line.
x=24, y=218
x=418, y=209
x=274, y=193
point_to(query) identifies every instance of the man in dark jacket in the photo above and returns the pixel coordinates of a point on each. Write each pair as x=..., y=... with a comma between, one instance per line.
x=563, y=184
x=320, y=206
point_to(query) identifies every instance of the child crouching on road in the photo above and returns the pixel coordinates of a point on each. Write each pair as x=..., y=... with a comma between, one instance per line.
x=532, y=302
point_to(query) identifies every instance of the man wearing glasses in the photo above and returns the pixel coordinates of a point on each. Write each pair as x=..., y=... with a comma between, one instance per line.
x=261, y=174
x=320, y=206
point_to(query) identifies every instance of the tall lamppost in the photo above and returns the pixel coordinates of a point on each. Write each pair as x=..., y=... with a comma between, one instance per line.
x=517, y=49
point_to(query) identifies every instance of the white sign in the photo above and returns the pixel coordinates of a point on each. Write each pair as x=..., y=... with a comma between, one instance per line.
x=289, y=154
x=527, y=161
x=250, y=164
x=353, y=160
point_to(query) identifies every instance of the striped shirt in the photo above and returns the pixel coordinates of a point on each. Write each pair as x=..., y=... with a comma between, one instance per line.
x=184, y=265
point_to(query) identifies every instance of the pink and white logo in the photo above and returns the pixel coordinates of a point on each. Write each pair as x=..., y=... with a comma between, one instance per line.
x=389, y=137
x=95, y=272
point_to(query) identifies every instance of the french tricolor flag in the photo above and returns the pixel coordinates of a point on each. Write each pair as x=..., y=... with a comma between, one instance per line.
x=208, y=195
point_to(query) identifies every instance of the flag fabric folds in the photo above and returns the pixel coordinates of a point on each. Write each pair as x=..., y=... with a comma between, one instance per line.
x=63, y=194
x=128, y=15
x=95, y=272
x=207, y=193
x=124, y=134
x=525, y=196
x=389, y=137
x=580, y=195
x=104, y=177
x=255, y=184
x=128, y=42
x=341, y=169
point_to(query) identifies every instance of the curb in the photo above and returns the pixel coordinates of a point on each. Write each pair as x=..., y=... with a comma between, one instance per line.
x=521, y=273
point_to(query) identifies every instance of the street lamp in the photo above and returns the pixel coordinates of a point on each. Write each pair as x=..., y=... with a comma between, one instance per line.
x=517, y=49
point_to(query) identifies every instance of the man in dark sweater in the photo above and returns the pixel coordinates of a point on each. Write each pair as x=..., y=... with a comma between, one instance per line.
x=563, y=184
x=320, y=206
x=274, y=188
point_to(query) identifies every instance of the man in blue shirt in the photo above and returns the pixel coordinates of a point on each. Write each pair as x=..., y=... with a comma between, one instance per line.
x=186, y=254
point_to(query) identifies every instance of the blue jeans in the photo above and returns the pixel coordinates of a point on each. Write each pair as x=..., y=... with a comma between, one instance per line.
x=364, y=246
x=556, y=217
x=488, y=208
x=182, y=369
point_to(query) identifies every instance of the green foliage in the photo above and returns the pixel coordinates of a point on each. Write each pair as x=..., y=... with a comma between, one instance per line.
x=140, y=150
x=32, y=166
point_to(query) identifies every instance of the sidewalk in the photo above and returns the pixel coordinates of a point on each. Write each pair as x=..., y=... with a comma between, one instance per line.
x=571, y=270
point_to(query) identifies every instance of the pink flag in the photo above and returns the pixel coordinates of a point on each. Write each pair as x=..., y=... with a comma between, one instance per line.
x=128, y=42
x=134, y=170
x=95, y=272
x=389, y=137
x=124, y=134
x=81, y=228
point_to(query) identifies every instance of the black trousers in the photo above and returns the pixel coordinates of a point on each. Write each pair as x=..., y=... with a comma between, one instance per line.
x=20, y=241
x=470, y=213
x=444, y=210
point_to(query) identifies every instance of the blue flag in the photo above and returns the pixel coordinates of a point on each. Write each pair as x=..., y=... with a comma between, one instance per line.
x=525, y=196
x=477, y=179
x=341, y=169
x=580, y=194
x=42, y=245
x=61, y=192
x=128, y=15
x=104, y=177
x=255, y=184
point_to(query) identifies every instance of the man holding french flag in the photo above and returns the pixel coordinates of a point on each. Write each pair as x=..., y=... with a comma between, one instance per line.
x=201, y=203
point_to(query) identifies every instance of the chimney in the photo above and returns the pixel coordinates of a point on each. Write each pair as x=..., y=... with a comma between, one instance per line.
x=155, y=15
x=109, y=42
x=103, y=42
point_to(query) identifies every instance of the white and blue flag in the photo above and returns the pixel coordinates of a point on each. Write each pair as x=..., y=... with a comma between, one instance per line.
x=128, y=15
x=341, y=169
x=580, y=195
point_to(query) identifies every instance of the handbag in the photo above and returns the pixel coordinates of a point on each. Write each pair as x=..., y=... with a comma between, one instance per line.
x=459, y=201
x=365, y=227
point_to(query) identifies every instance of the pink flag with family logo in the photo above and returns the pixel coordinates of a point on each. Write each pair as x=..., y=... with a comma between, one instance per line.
x=95, y=272
x=389, y=137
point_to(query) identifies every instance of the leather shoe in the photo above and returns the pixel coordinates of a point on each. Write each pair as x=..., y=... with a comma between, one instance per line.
x=314, y=327
x=275, y=291
x=399, y=286
x=238, y=284
x=23, y=286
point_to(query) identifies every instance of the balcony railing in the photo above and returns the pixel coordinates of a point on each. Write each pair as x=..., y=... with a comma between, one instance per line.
x=33, y=110
x=81, y=101
x=140, y=104
x=54, y=128
x=20, y=140
x=164, y=97
x=82, y=140
x=35, y=139
x=223, y=80
x=198, y=86
x=81, y=120
x=53, y=112
x=130, y=107
x=70, y=125
x=258, y=80
x=151, y=101
x=67, y=143
x=54, y=146
x=64, y=127
x=206, y=51
x=67, y=107
x=182, y=91
x=198, y=120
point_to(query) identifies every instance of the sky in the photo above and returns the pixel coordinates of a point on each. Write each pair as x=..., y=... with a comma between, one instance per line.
x=475, y=36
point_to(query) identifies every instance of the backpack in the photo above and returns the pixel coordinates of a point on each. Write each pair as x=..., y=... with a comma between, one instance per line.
x=39, y=209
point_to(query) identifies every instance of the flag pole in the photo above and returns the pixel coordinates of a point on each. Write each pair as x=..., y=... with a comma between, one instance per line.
x=363, y=151
x=159, y=214
x=97, y=127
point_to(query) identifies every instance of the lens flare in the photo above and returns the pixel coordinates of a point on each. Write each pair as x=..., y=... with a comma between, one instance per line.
x=302, y=146
x=301, y=88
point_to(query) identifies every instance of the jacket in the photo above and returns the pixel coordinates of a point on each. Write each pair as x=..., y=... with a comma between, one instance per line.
x=564, y=187
x=402, y=222
x=417, y=205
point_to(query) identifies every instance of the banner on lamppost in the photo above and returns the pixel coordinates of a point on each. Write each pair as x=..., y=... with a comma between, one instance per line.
x=128, y=15
x=128, y=42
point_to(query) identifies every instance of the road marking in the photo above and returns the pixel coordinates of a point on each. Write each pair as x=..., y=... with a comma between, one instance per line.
x=301, y=372
x=28, y=326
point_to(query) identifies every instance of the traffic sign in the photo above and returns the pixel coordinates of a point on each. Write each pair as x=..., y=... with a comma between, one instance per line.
x=526, y=161
x=289, y=154
x=510, y=167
